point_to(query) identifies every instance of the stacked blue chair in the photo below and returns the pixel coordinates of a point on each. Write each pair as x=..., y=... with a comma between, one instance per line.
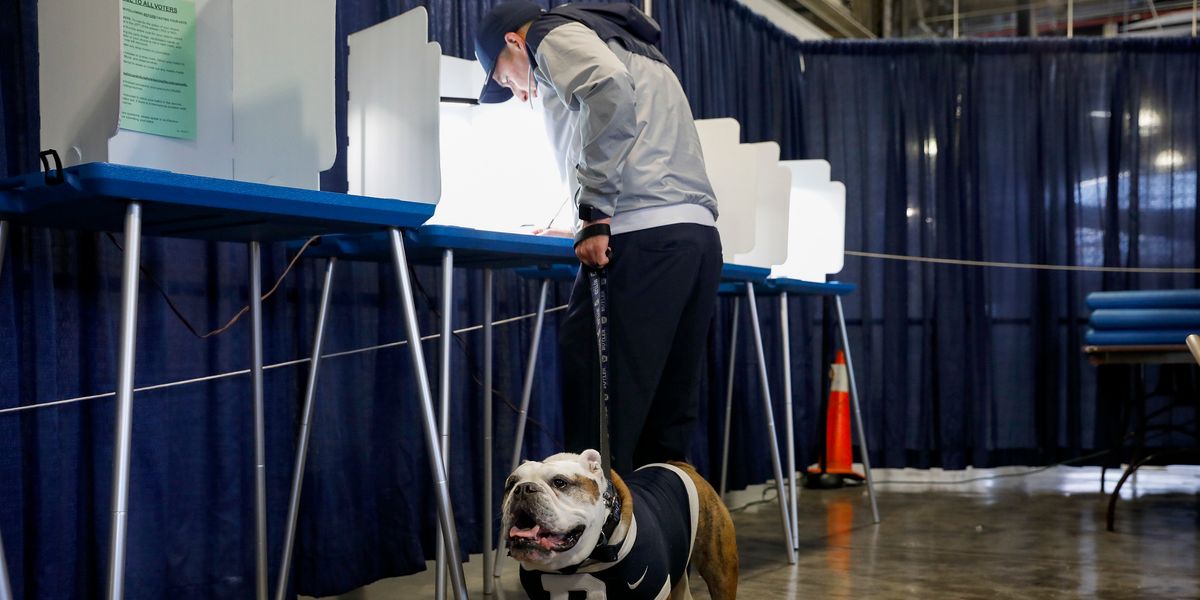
x=1141, y=327
x=1143, y=317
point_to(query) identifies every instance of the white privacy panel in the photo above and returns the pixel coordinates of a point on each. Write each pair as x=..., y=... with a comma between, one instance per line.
x=79, y=52
x=211, y=153
x=392, y=114
x=728, y=164
x=773, y=188
x=263, y=85
x=283, y=91
x=499, y=171
x=817, y=223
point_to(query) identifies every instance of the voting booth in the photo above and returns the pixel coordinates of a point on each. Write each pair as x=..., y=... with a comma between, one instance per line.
x=234, y=90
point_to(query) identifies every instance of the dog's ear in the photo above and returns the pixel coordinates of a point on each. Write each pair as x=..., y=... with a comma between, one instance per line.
x=591, y=458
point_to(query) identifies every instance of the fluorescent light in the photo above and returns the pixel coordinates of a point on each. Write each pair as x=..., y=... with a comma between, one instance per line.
x=931, y=147
x=911, y=212
x=1100, y=114
x=1168, y=159
x=1148, y=120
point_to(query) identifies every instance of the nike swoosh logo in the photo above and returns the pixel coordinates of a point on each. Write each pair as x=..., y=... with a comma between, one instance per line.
x=639, y=581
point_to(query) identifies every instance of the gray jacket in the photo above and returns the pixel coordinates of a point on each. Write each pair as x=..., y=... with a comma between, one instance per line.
x=622, y=127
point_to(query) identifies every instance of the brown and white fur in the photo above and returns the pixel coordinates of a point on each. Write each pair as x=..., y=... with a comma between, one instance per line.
x=553, y=512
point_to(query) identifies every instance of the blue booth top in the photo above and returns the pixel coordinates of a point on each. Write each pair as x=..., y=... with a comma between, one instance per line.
x=94, y=196
x=472, y=247
x=741, y=273
x=776, y=286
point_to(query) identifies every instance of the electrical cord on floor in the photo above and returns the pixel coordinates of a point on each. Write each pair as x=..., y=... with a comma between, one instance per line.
x=472, y=367
x=764, y=500
x=245, y=309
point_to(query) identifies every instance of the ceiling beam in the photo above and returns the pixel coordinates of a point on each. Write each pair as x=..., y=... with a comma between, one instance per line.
x=834, y=16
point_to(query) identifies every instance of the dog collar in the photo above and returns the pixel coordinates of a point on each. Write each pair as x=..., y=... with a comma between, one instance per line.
x=604, y=551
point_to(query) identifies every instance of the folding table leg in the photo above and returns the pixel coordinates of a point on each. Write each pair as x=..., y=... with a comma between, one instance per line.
x=527, y=389
x=733, y=339
x=437, y=465
x=124, y=407
x=310, y=392
x=487, y=432
x=790, y=429
x=858, y=423
x=260, y=446
x=444, y=406
x=770, y=418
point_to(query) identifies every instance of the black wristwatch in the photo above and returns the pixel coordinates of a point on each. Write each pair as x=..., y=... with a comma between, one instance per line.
x=589, y=213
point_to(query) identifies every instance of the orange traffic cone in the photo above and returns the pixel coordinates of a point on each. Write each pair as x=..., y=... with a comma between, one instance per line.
x=839, y=453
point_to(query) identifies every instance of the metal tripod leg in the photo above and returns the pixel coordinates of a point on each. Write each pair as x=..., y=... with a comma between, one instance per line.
x=770, y=419
x=790, y=429
x=124, y=408
x=310, y=392
x=858, y=423
x=527, y=392
x=733, y=339
x=437, y=465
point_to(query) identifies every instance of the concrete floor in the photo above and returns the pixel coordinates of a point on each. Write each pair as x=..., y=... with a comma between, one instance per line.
x=1026, y=536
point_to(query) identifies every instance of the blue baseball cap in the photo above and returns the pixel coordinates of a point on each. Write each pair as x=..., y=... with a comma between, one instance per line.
x=489, y=42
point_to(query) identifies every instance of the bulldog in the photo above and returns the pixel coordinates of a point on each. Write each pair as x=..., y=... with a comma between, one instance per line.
x=578, y=534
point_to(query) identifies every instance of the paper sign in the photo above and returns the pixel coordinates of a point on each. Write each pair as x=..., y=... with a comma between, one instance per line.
x=158, y=67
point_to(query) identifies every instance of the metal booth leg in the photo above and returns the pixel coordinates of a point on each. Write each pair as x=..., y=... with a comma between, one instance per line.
x=437, y=465
x=487, y=433
x=124, y=407
x=770, y=418
x=444, y=406
x=733, y=339
x=260, y=447
x=858, y=423
x=527, y=392
x=790, y=429
x=310, y=392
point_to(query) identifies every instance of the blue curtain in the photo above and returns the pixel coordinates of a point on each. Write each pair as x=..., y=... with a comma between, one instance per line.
x=1079, y=152
x=1031, y=151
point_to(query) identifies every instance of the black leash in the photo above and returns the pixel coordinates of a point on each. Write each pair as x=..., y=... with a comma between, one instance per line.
x=598, y=283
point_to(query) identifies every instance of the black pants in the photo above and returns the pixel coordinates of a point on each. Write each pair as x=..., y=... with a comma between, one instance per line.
x=662, y=286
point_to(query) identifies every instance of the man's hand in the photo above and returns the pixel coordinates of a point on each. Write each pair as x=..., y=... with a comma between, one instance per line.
x=594, y=250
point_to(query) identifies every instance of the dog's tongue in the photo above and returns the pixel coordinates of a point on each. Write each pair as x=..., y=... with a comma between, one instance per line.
x=531, y=533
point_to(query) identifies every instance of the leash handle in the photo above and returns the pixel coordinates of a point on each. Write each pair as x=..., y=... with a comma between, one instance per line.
x=598, y=284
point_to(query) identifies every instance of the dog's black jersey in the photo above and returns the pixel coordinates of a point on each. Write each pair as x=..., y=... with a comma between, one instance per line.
x=665, y=509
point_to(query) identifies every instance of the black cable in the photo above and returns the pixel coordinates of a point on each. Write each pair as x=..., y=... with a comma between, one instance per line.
x=472, y=367
x=764, y=500
x=179, y=315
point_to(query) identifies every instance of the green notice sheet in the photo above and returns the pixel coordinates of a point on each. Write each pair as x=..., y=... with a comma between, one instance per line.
x=158, y=67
